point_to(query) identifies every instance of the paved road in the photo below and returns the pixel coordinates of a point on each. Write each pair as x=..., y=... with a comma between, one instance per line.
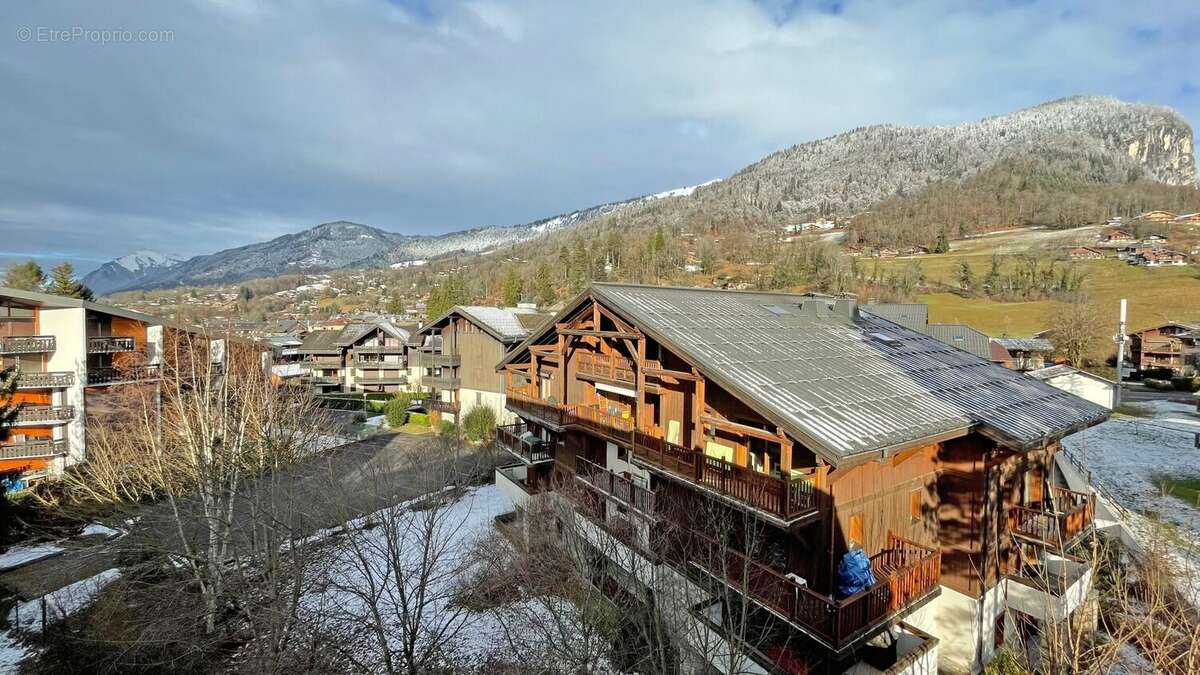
x=1136, y=392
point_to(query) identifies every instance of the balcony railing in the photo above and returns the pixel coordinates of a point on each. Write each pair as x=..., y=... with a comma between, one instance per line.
x=450, y=407
x=906, y=573
x=787, y=497
x=103, y=376
x=34, y=449
x=518, y=439
x=375, y=364
x=45, y=413
x=390, y=379
x=1066, y=515
x=109, y=344
x=26, y=344
x=611, y=367
x=57, y=380
x=440, y=382
x=441, y=360
x=620, y=488
x=321, y=379
x=381, y=349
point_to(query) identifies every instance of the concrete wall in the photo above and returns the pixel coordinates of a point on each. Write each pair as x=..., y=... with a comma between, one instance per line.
x=964, y=627
x=68, y=326
x=469, y=398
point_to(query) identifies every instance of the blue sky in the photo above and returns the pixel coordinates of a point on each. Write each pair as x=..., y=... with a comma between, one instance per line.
x=262, y=117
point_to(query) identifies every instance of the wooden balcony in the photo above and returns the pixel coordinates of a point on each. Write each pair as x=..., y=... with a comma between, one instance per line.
x=441, y=360
x=527, y=448
x=34, y=449
x=616, y=486
x=109, y=344
x=441, y=406
x=787, y=498
x=381, y=349
x=906, y=575
x=1065, y=516
x=45, y=413
x=321, y=380
x=440, y=382
x=27, y=344
x=375, y=364
x=105, y=376
x=612, y=367
x=57, y=380
x=369, y=380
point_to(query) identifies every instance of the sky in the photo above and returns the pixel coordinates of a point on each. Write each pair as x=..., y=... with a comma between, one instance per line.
x=191, y=126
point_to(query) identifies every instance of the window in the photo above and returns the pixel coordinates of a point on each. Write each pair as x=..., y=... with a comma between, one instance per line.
x=854, y=533
x=915, y=504
x=478, y=397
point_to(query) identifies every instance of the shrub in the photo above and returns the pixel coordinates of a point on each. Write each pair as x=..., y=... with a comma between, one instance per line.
x=377, y=406
x=359, y=418
x=396, y=410
x=418, y=419
x=1160, y=385
x=448, y=428
x=479, y=423
x=1185, y=383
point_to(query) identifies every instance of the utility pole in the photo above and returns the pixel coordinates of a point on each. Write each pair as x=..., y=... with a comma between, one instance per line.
x=1120, y=338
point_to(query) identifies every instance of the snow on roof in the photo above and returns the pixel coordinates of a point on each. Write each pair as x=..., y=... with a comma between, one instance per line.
x=503, y=321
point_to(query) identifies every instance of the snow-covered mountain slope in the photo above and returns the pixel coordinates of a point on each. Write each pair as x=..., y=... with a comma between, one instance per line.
x=127, y=270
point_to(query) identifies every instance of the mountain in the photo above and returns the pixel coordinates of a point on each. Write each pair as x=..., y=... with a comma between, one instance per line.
x=1097, y=139
x=344, y=244
x=1068, y=143
x=127, y=270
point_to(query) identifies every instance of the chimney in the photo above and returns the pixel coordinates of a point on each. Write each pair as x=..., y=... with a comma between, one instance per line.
x=812, y=308
x=846, y=308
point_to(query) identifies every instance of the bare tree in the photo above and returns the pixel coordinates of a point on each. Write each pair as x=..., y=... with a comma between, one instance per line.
x=1078, y=330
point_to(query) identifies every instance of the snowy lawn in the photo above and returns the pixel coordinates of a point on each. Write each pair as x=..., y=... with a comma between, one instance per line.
x=27, y=616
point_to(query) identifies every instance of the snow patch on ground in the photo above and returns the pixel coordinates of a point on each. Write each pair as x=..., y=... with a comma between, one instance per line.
x=27, y=616
x=21, y=555
x=99, y=530
x=1124, y=455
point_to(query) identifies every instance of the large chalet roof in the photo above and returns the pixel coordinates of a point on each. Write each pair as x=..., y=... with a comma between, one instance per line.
x=1013, y=344
x=845, y=383
x=911, y=316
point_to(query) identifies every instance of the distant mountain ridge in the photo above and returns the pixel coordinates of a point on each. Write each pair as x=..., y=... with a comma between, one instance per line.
x=127, y=270
x=1094, y=140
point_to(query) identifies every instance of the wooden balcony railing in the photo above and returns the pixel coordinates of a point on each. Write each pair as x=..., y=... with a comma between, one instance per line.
x=45, y=413
x=440, y=382
x=34, y=449
x=442, y=360
x=109, y=344
x=785, y=497
x=27, y=344
x=511, y=437
x=905, y=574
x=620, y=488
x=1066, y=515
x=101, y=376
x=441, y=406
x=45, y=380
x=376, y=364
x=611, y=367
x=381, y=349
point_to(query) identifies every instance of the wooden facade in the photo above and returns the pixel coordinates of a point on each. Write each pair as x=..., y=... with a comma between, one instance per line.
x=600, y=395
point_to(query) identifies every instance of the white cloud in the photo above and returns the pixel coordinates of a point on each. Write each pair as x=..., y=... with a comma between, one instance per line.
x=271, y=116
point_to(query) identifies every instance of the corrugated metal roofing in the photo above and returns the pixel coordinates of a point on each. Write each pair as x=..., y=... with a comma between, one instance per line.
x=962, y=337
x=503, y=321
x=911, y=316
x=320, y=341
x=1025, y=344
x=849, y=386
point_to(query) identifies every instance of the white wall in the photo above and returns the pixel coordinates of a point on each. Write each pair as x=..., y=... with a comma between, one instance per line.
x=1090, y=388
x=963, y=626
x=69, y=328
x=490, y=399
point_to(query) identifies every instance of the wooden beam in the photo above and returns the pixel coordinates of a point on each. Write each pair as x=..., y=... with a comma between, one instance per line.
x=585, y=332
x=785, y=453
x=677, y=374
x=698, y=415
x=741, y=428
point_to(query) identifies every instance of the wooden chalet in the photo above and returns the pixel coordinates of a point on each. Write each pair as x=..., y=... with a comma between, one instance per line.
x=1160, y=347
x=696, y=418
x=1085, y=253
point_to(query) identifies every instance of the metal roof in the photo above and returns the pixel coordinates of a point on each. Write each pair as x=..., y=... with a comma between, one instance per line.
x=842, y=382
x=911, y=316
x=1025, y=344
x=507, y=324
x=321, y=342
x=962, y=337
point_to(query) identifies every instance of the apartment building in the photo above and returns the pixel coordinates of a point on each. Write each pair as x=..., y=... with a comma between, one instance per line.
x=750, y=449
x=69, y=353
x=454, y=357
x=355, y=356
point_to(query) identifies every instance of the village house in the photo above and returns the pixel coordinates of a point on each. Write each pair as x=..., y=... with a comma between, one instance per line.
x=452, y=359
x=1160, y=347
x=1154, y=217
x=355, y=356
x=1187, y=219
x=1089, y=386
x=755, y=447
x=1025, y=353
x=1117, y=236
x=1084, y=253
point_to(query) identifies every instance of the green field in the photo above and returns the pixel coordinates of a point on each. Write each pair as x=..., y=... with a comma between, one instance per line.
x=1155, y=295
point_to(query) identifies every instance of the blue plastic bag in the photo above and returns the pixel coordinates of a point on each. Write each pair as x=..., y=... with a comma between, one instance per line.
x=854, y=573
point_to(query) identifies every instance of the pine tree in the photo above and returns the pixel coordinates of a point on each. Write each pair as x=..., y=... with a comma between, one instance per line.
x=64, y=283
x=966, y=281
x=511, y=289
x=8, y=409
x=943, y=242
x=543, y=285
x=26, y=276
x=444, y=296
